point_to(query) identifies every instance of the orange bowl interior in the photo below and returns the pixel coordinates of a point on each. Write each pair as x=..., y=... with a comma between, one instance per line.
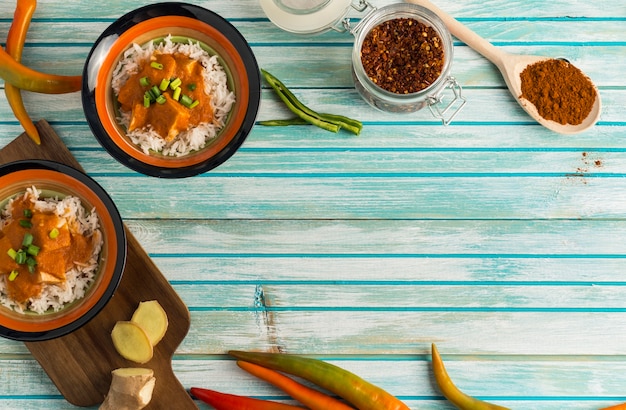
x=45, y=180
x=160, y=27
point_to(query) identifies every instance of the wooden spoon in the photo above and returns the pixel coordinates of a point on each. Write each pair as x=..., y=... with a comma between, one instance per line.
x=511, y=66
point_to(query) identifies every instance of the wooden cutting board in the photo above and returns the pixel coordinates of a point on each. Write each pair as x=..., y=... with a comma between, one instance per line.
x=80, y=363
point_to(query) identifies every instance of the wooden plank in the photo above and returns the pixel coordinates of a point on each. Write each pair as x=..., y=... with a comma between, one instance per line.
x=531, y=382
x=374, y=197
x=501, y=31
x=68, y=108
x=242, y=9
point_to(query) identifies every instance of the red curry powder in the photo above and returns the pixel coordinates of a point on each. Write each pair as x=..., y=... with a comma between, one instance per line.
x=559, y=91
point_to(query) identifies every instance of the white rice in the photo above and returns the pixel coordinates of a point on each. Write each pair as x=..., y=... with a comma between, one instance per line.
x=216, y=86
x=79, y=278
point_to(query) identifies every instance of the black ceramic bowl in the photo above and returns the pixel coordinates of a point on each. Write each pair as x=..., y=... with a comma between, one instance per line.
x=55, y=180
x=153, y=23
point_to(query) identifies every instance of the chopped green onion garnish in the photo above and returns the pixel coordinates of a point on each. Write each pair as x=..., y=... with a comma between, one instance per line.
x=31, y=263
x=177, y=92
x=12, y=253
x=164, y=84
x=191, y=87
x=28, y=239
x=186, y=100
x=28, y=213
x=146, y=99
x=32, y=250
x=13, y=275
x=156, y=65
x=20, y=257
x=25, y=224
x=175, y=83
x=54, y=233
x=144, y=82
x=194, y=104
x=161, y=99
x=155, y=91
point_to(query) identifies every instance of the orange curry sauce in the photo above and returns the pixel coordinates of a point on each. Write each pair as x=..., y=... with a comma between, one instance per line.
x=172, y=117
x=55, y=257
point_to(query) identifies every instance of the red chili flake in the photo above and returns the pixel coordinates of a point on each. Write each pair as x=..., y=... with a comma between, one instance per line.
x=402, y=55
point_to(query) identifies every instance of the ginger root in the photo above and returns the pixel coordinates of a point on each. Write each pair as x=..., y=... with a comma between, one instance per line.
x=131, y=389
x=135, y=339
x=152, y=318
x=131, y=342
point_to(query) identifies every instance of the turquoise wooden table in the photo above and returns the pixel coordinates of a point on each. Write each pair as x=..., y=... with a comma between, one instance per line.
x=502, y=242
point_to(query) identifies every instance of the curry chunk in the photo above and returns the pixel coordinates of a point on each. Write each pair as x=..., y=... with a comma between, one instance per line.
x=43, y=225
x=54, y=254
x=171, y=116
x=167, y=119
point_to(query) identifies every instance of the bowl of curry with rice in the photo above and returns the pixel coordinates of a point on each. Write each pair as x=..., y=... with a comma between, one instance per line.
x=171, y=90
x=62, y=249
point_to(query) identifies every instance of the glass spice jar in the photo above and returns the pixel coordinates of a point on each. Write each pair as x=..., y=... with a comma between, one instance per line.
x=408, y=21
x=318, y=16
x=310, y=16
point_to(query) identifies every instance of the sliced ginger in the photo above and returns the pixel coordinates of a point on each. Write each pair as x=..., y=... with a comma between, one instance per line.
x=135, y=339
x=152, y=318
x=131, y=389
x=132, y=342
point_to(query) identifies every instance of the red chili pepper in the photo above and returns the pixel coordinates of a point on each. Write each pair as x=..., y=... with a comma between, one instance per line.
x=452, y=393
x=15, y=44
x=224, y=401
x=311, y=398
x=356, y=391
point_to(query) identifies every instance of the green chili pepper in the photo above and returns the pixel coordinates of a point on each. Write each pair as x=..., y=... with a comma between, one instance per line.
x=283, y=123
x=356, y=391
x=224, y=401
x=452, y=393
x=296, y=106
x=352, y=125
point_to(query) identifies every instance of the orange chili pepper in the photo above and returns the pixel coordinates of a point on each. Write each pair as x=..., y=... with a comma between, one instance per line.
x=311, y=398
x=355, y=390
x=452, y=393
x=621, y=406
x=28, y=79
x=15, y=44
x=225, y=401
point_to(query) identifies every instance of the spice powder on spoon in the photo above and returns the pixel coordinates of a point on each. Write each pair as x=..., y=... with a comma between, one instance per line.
x=402, y=55
x=559, y=91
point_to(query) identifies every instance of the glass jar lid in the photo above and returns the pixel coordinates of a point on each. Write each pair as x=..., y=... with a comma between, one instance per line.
x=305, y=16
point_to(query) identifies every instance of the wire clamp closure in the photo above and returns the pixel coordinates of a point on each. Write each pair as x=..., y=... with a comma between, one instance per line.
x=361, y=7
x=436, y=101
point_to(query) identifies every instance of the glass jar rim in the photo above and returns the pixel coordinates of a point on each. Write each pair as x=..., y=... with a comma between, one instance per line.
x=312, y=21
